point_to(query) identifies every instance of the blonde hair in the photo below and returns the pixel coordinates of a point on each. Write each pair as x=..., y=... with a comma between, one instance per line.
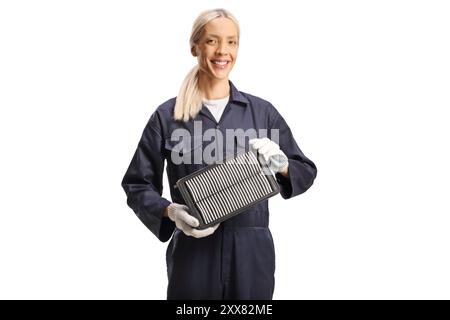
x=189, y=99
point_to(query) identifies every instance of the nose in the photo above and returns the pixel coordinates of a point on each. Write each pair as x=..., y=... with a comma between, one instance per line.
x=221, y=49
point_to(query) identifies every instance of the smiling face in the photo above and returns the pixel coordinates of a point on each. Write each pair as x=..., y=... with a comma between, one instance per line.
x=217, y=49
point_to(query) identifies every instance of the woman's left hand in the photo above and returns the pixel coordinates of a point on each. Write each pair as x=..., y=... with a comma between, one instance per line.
x=274, y=157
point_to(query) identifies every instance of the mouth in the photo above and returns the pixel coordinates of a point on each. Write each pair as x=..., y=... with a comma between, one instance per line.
x=220, y=64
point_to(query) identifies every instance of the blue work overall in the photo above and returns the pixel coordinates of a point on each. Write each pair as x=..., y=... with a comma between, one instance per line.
x=238, y=260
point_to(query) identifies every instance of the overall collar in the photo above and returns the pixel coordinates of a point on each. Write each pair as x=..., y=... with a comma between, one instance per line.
x=236, y=99
x=236, y=96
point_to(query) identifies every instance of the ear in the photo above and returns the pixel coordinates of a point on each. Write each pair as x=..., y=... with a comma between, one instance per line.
x=193, y=51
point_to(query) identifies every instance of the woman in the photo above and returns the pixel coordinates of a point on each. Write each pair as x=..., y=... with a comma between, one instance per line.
x=236, y=259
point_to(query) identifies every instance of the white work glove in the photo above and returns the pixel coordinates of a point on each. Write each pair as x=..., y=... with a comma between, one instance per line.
x=271, y=153
x=178, y=213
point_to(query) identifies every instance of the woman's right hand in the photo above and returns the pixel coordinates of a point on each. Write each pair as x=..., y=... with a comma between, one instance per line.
x=179, y=213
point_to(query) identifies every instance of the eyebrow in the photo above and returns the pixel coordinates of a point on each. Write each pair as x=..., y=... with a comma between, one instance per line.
x=216, y=36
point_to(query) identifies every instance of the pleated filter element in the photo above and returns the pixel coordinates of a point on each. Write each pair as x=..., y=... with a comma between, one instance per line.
x=222, y=190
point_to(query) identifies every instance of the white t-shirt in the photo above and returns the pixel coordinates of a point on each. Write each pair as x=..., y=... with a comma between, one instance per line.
x=216, y=106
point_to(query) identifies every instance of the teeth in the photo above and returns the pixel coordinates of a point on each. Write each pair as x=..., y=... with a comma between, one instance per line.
x=222, y=63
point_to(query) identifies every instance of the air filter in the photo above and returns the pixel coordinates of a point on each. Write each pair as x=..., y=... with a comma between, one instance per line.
x=222, y=190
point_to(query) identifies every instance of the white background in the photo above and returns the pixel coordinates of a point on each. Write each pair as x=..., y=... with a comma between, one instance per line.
x=364, y=86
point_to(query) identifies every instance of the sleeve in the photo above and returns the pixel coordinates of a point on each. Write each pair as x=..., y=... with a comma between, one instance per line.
x=143, y=182
x=302, y=171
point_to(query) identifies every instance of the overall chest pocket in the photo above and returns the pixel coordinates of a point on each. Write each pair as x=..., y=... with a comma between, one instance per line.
x=186, y=152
